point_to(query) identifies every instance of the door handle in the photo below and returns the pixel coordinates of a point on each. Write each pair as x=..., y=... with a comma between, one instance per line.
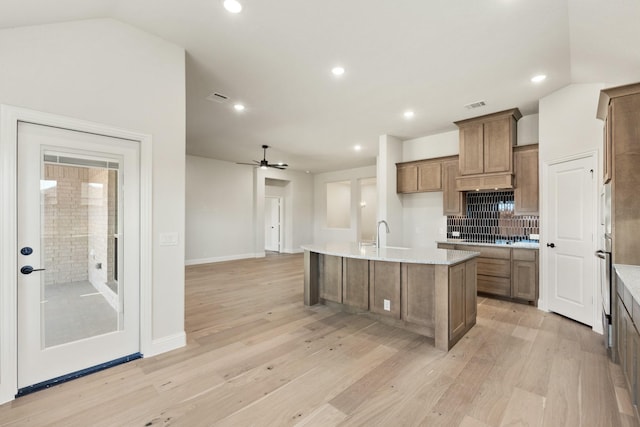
x=27, y=269
x=551, y=245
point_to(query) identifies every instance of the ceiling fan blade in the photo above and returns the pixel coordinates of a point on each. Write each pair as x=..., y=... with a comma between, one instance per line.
x=277, y=167
x=248, y=164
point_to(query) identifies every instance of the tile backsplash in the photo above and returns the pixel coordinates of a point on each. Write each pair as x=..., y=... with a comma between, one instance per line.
x=490, y=218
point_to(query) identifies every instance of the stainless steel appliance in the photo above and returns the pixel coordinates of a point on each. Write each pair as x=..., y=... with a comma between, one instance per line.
x=606, y=289
x=606, y=270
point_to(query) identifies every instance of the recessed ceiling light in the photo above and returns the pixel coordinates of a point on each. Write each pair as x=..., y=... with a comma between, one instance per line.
x=232, y=6
x=357, y=147
x=337, y=71
x=409, y=114
x=539, y=78
x=238, y=107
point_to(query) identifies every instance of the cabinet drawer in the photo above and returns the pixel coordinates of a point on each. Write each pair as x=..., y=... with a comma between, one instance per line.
x=524, y=254
x=494, y=285
x=487, y=251
x=494, y=267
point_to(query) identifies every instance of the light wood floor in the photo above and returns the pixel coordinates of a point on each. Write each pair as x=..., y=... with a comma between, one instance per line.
x=257, y=356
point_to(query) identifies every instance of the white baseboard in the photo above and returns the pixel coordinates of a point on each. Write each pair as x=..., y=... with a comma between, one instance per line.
x=164, y=344
x=293, y=251
x=220, y=259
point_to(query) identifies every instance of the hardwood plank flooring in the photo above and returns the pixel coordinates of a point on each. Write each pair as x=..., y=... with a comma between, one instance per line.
x=256, y=356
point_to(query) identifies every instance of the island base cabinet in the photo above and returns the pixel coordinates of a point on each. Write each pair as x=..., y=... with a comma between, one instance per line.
x=384, y=288
x=330, y=278
x=355, y=291
x=462, y=300
x=456, y=301
x=434, y=300
x=418, y=299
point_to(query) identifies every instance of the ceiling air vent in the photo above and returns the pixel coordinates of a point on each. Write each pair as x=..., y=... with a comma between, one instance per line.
x=476, y=104
x=217, y=97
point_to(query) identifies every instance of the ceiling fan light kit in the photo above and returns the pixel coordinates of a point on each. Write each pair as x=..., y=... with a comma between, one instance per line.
x=264, y=163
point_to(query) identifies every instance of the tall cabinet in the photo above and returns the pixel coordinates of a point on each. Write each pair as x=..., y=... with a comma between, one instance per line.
x=619, y=107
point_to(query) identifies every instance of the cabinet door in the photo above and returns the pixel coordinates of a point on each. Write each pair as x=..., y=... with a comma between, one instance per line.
x=499, y=136
x=471, y=149
x=384, y=285
x=630, y=363
x=330, y=278
x=524, y=280
x=453, y=202
x=621, y=333
x=471, y=293
x=429, y=176
x=355, y=291
x=418, y=297
x=526, y=192
x=407, y=178
x=457, y=297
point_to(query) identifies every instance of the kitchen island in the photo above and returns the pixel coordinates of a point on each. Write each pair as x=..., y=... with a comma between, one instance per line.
x=428, y=291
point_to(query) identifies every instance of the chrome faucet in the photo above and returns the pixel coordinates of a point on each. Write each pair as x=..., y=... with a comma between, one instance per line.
x=386, y=226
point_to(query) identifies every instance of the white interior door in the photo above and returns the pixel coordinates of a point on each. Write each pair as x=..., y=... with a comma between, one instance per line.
x=571, y=266
x=272, y=224
x=78, y=230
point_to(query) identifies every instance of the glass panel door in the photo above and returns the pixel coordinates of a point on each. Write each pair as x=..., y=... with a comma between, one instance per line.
x=78, y=244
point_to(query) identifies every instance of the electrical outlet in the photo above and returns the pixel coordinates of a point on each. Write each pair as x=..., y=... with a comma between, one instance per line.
x=387, y=305
x=455, y=233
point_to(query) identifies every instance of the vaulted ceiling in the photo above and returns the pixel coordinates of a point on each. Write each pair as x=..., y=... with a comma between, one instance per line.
x=428, y=56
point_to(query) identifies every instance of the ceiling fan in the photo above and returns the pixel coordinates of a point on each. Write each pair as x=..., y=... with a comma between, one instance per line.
x=264, y=163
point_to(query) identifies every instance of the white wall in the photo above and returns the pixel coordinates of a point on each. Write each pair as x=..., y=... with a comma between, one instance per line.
x=368, y=211
x=225, y=210
x=338, y=202
x=568, y=123
x=219, y=211
x=111, y=73
x=389, y=201
x=322, y=233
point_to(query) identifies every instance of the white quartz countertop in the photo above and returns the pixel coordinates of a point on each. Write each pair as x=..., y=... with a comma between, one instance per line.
x=519, y=245
x=630, y=276
x=393, y=254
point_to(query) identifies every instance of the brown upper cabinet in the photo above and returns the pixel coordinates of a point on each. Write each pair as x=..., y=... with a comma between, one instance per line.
x=407, y=177
x=420, y=176
x=526, y=191
x=486, y=150
x=619, y=107
x=453, y=201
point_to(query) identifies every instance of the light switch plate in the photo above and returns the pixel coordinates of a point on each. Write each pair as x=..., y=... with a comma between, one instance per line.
x=387, y=305
x=534, y=237
x=168, y=239
x=455, y=233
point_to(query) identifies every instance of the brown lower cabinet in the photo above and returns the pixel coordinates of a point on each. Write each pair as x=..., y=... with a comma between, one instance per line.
x=355, y=289
x=384, y=284
x=628, y=349
x=330, y=277
x=505, y=272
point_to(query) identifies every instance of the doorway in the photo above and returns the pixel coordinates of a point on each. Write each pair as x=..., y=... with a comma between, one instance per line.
x=78, y=287
x=112, y=157
x=570, y=237
x=272, y=224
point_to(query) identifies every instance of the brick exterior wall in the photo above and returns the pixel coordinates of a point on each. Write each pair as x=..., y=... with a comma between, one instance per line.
x=78, y=221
